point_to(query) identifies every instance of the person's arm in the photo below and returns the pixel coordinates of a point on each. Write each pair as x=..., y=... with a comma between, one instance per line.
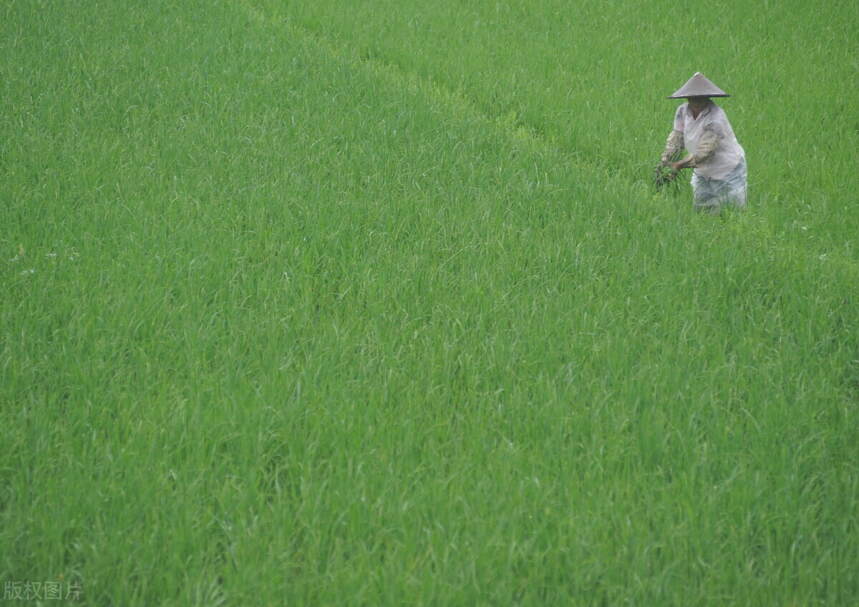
x=673, y=145
x=684, y=163
x=706, y=147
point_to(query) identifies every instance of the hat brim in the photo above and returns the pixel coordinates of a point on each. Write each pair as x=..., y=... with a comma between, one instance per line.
x=690, y=96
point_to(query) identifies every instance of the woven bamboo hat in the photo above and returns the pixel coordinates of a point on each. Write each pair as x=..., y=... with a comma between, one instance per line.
x=698, y=86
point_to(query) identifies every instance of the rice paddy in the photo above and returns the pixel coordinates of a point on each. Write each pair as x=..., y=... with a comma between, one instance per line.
x=375, y=304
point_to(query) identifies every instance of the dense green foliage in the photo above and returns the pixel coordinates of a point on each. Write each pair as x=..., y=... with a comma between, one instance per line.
x=373, y=303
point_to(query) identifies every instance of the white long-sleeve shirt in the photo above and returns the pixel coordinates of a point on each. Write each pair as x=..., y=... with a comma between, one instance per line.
x=709, y=138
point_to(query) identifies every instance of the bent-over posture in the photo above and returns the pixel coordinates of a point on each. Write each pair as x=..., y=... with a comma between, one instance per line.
x=716, y=157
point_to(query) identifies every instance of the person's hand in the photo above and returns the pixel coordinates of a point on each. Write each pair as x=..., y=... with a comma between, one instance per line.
x=683, y=163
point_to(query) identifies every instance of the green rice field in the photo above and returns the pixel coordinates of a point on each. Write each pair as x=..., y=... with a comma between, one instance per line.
x=374, y=303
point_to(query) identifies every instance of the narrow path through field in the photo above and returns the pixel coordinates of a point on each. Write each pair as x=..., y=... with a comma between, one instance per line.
x=437, y=94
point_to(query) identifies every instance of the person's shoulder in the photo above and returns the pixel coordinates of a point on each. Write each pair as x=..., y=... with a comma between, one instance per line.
x=717, y=116
x=716, y=110
x=680, y=112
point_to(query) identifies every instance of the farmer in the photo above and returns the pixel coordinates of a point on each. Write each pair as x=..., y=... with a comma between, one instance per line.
x=717, y=159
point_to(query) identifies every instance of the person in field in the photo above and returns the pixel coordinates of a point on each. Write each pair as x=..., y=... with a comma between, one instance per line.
x=717, y=159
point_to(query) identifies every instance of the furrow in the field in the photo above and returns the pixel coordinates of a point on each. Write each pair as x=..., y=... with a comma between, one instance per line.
x=436, y=93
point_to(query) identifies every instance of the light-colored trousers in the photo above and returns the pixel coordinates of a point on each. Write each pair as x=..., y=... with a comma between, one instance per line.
x=713, y=194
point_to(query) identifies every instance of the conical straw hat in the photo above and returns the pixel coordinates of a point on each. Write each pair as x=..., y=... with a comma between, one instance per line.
x=698, y=86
